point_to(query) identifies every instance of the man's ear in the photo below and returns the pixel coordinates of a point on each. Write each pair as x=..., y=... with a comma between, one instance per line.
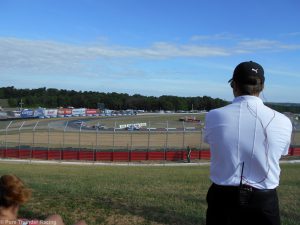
x=233, y=85
x=235, y=88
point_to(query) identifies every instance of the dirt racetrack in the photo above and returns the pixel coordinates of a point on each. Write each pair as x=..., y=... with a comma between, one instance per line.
x=168, y=132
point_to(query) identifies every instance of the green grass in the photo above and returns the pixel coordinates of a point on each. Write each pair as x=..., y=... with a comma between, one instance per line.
x=132, y=195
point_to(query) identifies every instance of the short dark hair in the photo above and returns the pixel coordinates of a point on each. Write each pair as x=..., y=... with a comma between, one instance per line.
x=252, y=86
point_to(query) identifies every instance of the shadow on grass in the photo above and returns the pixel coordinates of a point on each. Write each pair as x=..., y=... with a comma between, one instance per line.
x=151, y=213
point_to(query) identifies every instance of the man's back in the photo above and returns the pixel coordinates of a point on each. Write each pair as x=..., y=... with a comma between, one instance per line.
x=248, y=132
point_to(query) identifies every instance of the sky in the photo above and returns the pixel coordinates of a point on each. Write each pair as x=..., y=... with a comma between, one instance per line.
x=184, y=48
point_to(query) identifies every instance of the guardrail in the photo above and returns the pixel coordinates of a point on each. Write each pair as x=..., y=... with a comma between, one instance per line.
x=93, y=155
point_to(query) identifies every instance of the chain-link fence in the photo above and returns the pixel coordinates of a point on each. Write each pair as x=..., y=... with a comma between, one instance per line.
x=23, y=134
x=67, y=136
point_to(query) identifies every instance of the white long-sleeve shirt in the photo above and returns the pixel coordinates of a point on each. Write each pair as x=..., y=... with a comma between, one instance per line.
x=250, y=132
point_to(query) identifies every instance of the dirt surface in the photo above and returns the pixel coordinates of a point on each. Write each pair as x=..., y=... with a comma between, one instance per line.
x=166, y=131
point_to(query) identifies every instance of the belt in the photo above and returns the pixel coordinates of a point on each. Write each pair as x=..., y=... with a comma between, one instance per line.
x=232, y=188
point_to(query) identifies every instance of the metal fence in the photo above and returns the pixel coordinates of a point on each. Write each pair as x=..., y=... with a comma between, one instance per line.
x=155, y=136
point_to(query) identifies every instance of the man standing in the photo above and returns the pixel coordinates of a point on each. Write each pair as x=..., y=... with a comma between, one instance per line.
x=246, y=140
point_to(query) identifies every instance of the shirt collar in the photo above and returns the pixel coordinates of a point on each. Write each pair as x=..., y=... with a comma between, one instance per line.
x=246, y=98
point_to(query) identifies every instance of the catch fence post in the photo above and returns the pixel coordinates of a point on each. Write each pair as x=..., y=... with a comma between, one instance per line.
x=95, y=151
x=131, y=134
x=6, y=129
x=79, y=147
x=200, y=139
x=149, y=129
x=20, y=138
x=165, y=155
x=128, y=153
x=94, y=154
x=48, y=142
x=33, y=139
x=167, y=140
x=113, y=150
x=63, y=148
x=183, y=135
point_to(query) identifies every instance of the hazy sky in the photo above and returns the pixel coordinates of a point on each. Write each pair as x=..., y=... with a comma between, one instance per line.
x=150, y=47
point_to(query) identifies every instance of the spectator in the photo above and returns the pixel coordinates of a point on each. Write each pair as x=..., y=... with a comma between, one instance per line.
x=246, y=140
x=14, y=193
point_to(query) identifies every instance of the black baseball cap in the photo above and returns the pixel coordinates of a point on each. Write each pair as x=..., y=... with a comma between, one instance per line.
x=245, y=70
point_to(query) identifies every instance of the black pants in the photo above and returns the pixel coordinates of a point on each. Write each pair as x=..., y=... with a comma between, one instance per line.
x=224, y=208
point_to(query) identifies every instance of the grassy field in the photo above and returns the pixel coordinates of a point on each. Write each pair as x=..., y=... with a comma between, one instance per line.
x=133, y=195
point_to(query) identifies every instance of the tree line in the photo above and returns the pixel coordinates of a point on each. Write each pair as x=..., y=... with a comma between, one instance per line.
x=53, y=98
